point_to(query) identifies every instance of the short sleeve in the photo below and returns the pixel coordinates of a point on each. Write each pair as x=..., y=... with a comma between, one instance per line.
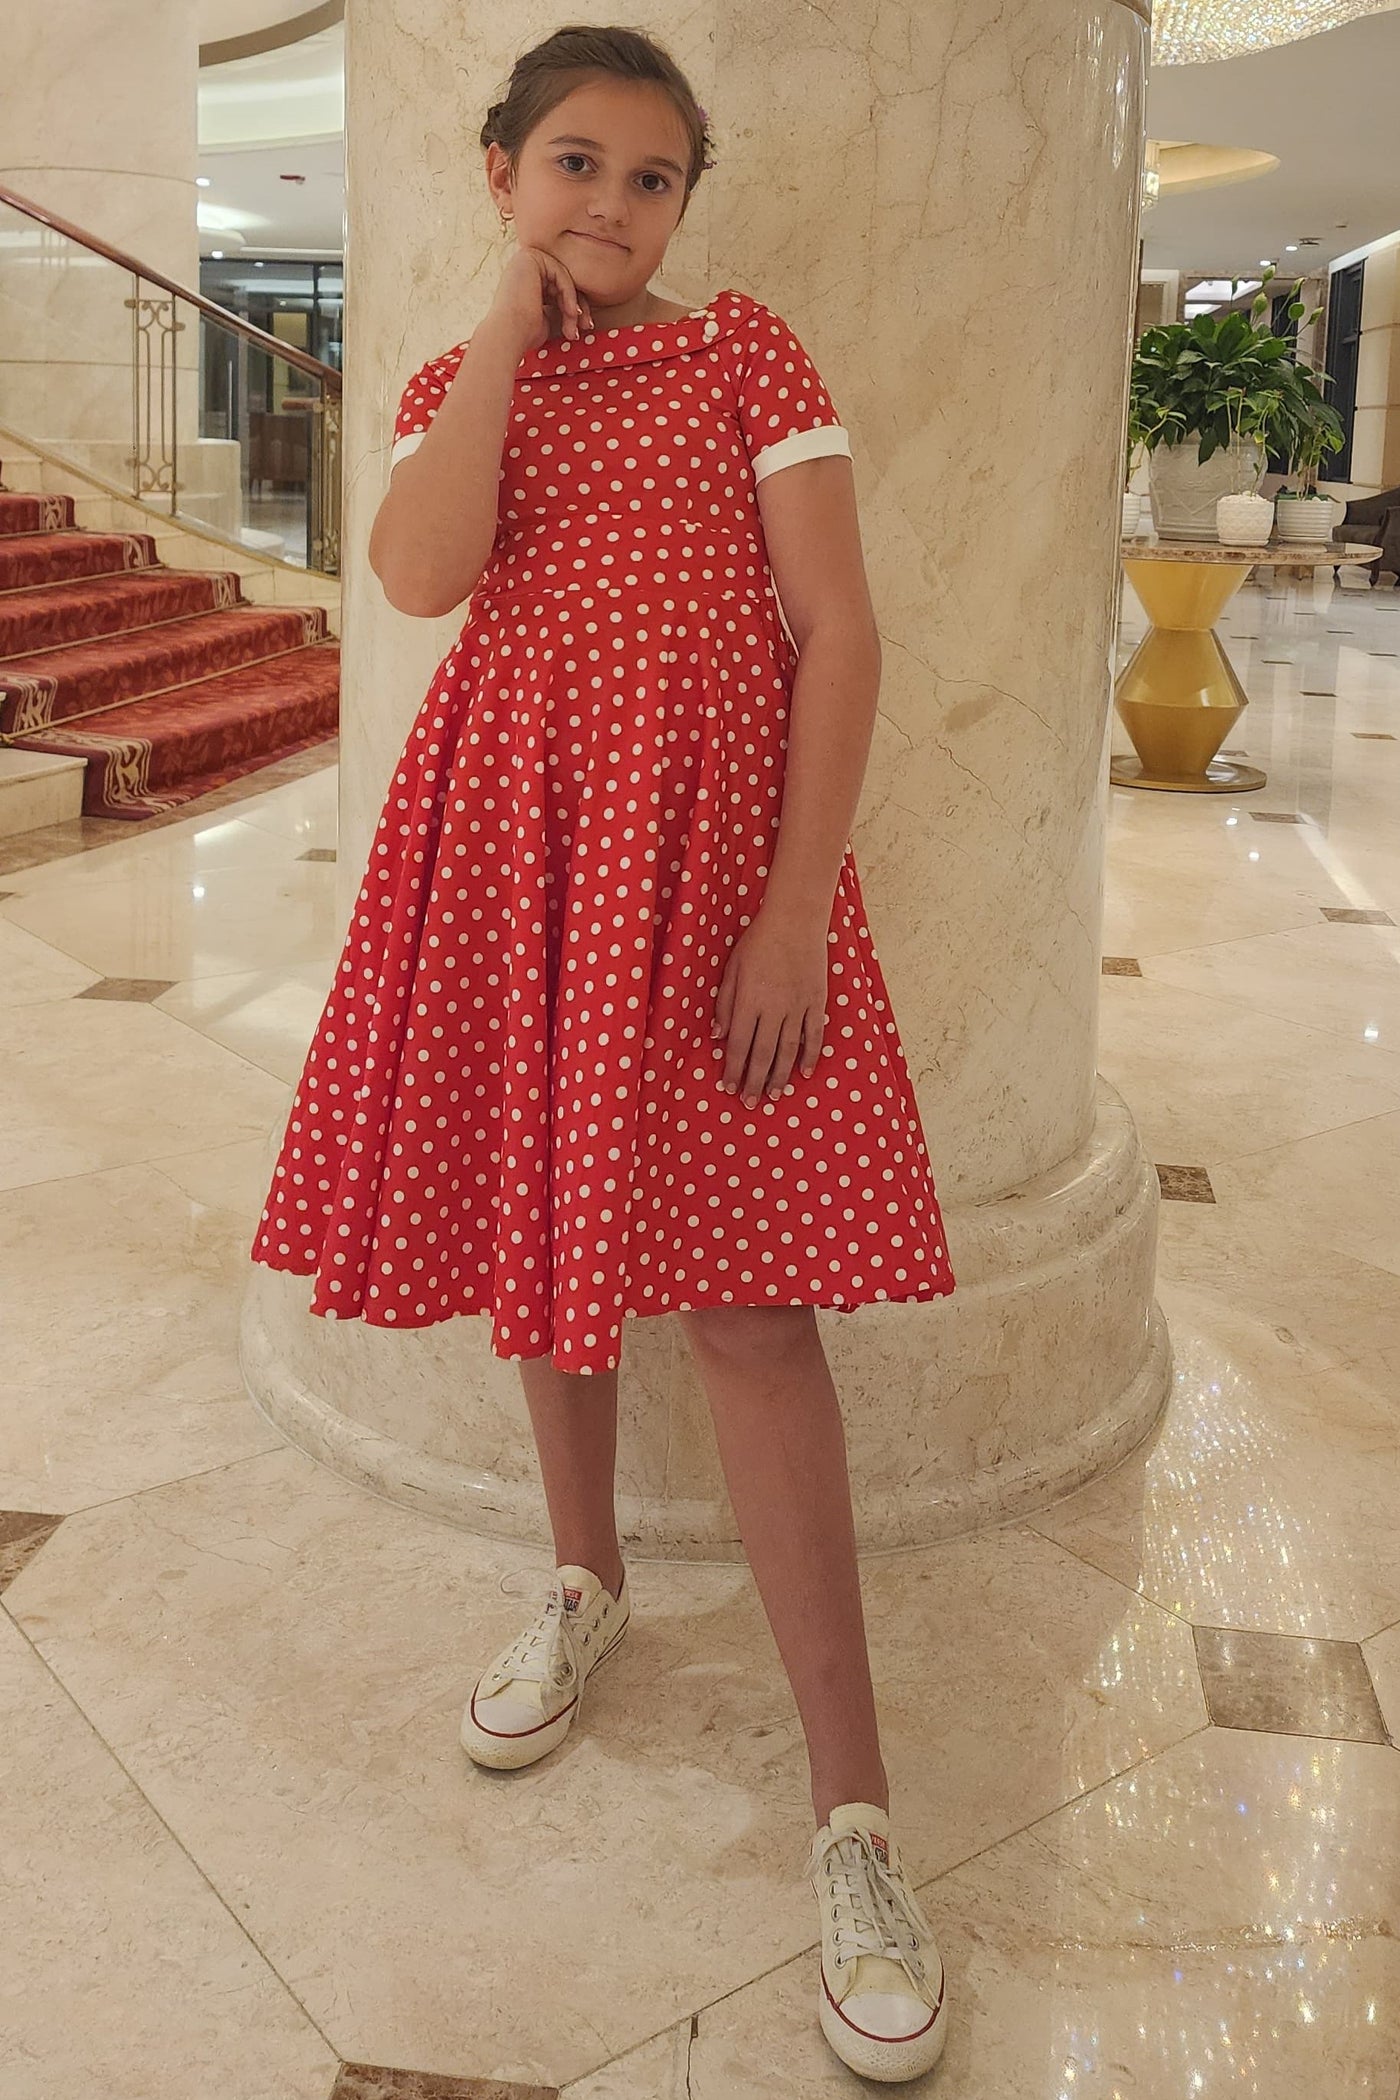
x=785, y=411
x=420, y=401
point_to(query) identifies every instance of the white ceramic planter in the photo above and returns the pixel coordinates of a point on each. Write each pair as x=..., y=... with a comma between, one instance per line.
x=1185, y=493
x=1306, y=517
x=1132, y=512
x=1244, y=521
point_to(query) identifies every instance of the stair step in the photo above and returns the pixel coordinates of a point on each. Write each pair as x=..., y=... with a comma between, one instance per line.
x=57, y=557
x=51, y=685
x=24, y=511
x=90, y=606
x=154, y=754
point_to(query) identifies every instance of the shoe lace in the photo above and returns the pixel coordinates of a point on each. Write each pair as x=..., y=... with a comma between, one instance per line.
x=873, y=1910
x=545, y=1651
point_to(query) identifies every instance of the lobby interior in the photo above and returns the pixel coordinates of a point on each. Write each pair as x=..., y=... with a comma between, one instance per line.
x=1136, y=1653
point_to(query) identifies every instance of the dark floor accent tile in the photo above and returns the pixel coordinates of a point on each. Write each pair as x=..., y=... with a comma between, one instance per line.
x=1276, y=816
x=1121, y=966
x=136, y=989
x=1373, y=736
x=1185, y=1184
x=375, y=2082
x=1342, y=915
x=1286, y=1684
x=22, y=1533
x=318, y=853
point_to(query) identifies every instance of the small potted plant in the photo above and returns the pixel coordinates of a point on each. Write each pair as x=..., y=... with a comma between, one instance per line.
x=1303, y=512
x=1244, y=518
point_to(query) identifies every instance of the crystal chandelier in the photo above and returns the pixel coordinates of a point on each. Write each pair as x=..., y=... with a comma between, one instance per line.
x=1192, y=32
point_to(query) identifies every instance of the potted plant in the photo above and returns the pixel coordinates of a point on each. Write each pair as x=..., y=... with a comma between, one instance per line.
x=1228, y=382
x=1244, y=518
x=1312, y=431
x=1132, y=499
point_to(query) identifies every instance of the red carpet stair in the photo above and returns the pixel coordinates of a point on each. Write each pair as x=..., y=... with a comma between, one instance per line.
x=166, y=681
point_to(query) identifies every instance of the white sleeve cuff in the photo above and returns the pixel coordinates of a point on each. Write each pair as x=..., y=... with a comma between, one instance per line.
x=803, y=444
x=401, y=447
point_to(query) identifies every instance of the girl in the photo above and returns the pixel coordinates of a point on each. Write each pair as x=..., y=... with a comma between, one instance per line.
x=608, y=1037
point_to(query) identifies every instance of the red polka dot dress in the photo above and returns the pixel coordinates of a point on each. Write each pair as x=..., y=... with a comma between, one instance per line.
x=511, y=1104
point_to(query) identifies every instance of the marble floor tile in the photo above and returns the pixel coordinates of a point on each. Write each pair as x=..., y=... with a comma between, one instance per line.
x=1342, y=978
x=258, y=916
x=267, y=1016
x=658, y=2070
x=1220, y=1921
x=101, y=1083
x=1268, y=1498
x=179, y=855
x=1382, y=1653
x=1254, y=1081
x=133, y=1378
x=32, y=971
x=1246, y=1256
x=1337, y=1189
x=1287, y=1685
x=280, y=1661
x=125, y=1974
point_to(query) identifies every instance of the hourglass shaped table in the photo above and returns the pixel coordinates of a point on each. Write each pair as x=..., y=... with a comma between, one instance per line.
x=1178, y=696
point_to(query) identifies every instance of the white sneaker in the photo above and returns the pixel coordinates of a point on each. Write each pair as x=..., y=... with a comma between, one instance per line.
x=882, y=1999
x=525, y=1702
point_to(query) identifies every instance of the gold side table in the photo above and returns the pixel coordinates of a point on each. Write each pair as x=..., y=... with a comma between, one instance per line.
x=1178, y=696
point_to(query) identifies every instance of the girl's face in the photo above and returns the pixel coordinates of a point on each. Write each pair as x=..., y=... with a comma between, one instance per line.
x=600, y=184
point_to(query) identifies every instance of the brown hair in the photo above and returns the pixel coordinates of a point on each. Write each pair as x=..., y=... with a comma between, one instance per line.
x=542, y=77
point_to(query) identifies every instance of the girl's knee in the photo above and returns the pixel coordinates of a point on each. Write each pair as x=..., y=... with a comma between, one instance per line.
x=748, y=1333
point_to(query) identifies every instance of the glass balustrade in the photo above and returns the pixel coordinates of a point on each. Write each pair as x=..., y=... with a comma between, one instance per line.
x=160, y=393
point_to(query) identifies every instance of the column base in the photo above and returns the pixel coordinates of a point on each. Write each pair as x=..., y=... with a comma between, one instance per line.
x=1046, y=1366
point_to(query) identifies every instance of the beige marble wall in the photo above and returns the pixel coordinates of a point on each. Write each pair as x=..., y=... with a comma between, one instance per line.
x=100, y=126
x=903, y=183
x=1375, y=442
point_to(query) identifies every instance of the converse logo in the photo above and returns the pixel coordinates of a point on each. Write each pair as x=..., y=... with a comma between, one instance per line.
x=572, y=1599
x=880, y=1848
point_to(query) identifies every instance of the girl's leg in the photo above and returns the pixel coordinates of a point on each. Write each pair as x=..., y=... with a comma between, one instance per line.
x=574, y=1417
x=782, y=1444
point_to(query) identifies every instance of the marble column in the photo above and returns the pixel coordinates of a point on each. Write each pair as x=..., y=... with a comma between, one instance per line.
x=943, y=202
x=100, y=127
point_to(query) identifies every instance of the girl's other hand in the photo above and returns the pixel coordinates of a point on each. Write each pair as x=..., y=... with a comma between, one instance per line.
x=535, y=286
x=771, y=1004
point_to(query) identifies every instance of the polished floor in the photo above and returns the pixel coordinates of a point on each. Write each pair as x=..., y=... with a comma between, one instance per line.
x=1142, y=1746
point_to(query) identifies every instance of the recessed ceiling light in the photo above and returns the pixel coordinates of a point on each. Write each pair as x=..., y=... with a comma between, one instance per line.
x=203, y=182
x=216, y=255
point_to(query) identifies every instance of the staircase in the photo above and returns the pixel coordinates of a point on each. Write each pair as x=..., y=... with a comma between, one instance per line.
x=167, y=682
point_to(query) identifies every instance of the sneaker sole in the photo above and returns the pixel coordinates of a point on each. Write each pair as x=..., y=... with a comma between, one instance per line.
x=508, y=1753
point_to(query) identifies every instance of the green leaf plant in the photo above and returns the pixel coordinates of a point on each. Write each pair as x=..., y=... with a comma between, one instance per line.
x=1225, y=378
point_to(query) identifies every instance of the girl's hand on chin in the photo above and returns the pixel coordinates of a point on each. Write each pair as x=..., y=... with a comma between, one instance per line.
x=771, y=1004
x=535, y=288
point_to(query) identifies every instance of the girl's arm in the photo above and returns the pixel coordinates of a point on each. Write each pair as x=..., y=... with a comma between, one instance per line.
x=432, y=534
x=814, y=551
x=770, y=1005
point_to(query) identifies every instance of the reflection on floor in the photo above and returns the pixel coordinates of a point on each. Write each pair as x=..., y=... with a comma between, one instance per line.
x=1145, y=1767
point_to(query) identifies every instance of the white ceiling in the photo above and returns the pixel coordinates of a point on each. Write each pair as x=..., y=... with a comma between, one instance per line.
x=1326, y=107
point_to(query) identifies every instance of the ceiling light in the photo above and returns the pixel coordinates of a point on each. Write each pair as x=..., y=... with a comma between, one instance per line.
x=1195, y=32
x=216, y=254
x=203, y=182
